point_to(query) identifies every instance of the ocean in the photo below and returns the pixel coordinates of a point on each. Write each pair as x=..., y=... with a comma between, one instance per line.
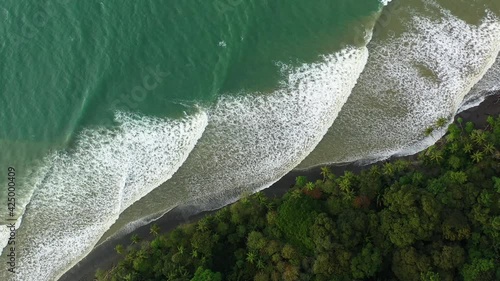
x=115, y=112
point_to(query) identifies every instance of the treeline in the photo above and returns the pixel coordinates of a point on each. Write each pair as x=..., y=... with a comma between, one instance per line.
x=436, y=217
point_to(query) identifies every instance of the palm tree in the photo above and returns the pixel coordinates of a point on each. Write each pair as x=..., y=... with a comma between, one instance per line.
x=194, y=253
x=489, y=148
x=219, y=216
x=171, y=276
x=477, y=157
x=344, y=184
x=325, y=172
x=453, y=147
x=215, y=237
x=478, y=136
x=401, y=165
x=180, y=249
x=436, y=156
x=260, y=264
x=155, y=230
x=250, y=257
x=491, y=121
x=300, y=181
x=349, y=195
x=271, y=205
x=441, y=122
x=119, y=249
x=467, y=148
x=389, y=169
x=428, y=131
x=310, y=186
x=203, y=260
x=261, y=197
x=183, y=271
x=202, y=225
x=296, y=194
x=141, y=254
x=375, y=171
x=135, y=239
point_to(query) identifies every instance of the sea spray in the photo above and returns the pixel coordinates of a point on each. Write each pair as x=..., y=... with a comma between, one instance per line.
x=88, y=186
x=420, y=69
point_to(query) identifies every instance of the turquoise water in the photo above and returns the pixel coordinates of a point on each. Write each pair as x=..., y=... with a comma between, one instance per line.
x=115, y=112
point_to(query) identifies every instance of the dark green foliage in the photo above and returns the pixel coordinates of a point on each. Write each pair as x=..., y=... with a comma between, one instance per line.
x=296, y=218
x=367, y=263
x=206, y=275
x=435, y=219
x=301, y=181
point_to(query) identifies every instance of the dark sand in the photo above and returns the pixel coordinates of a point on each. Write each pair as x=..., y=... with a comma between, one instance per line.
x=104, y=255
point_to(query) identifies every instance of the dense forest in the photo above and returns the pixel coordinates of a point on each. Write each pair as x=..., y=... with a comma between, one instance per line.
x=435, y=216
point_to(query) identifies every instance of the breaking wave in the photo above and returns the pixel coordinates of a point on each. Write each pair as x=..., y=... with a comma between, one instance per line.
x=415, y=76
x=87, y=188
x=253, y=140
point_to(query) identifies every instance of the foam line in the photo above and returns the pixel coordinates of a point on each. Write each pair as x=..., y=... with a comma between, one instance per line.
x=89, y=186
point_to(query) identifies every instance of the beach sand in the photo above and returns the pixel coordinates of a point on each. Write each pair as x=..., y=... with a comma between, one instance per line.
x=104, y=256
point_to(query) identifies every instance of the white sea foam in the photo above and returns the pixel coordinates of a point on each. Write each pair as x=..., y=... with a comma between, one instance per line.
x=412, y=78
x=488, y=84
x=87, y=188
x=253, y=140
x=257, y=140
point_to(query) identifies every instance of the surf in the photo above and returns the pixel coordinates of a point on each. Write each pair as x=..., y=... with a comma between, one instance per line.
x=422, y=66
x=86, y=188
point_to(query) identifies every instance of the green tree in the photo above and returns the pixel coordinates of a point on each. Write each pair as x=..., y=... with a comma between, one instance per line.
x=119, y=249
x=479, y=269
x=154, y=230
x=408, y=264
x=455, y=226
x=251, y=256
x=326, y=173
x=135, y=238
x=495, y=223
x=448, y=258
x=301, y=181
x=467, y=148
x=202, y=274
x=256, y=241
x=295, y=219
x=367, y=263
x=430, y=276
x=477, y=157
x=489, y=148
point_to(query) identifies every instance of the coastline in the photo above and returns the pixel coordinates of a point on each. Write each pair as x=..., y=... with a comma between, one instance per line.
x=104, y=255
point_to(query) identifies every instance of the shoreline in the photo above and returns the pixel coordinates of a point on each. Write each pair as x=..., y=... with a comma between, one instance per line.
x=104, y=256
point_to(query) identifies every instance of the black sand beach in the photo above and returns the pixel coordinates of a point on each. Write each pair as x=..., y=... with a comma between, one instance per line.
x=104, y=255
